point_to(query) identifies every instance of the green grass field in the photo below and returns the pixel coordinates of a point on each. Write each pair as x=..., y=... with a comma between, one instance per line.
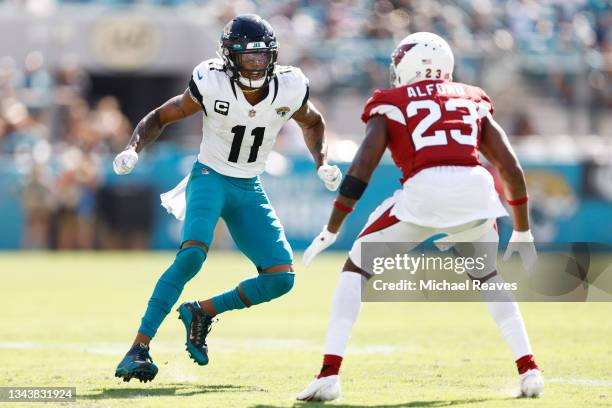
x=67, y=319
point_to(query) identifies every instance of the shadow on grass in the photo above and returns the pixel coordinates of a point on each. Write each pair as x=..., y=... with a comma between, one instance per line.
x=179, y=390
x=411, y=404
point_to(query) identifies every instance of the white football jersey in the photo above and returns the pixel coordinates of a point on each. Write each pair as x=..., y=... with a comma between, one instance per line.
x=237, y=136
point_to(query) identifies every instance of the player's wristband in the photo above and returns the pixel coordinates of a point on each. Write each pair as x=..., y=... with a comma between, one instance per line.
x=521, y=236
x=518, y=201
x=342, y=207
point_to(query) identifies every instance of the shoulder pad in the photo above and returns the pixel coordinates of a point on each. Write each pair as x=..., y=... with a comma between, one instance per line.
x=486, y=101
x=203, y=78
x=203, y=68
x=293, y=83
x=292, y=73
x=385, y=102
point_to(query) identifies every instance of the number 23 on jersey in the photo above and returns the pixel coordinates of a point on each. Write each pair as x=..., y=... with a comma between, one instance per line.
x=434, y=114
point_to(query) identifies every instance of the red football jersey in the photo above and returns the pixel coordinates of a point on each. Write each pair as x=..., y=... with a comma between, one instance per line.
x=431, y=123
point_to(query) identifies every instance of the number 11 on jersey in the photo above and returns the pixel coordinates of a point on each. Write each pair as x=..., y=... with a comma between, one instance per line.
x=238, y=131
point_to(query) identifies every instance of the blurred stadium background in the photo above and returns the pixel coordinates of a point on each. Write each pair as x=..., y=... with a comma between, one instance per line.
x=76, y=76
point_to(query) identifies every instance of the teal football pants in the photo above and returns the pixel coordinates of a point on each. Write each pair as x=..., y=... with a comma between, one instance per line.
x=255, y=228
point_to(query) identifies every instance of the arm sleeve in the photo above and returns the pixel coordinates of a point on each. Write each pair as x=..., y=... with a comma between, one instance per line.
x=291, y=86
x=306, y=94
x=485, y=101
x=303, y=86
x=197, y=83
x=379, y=105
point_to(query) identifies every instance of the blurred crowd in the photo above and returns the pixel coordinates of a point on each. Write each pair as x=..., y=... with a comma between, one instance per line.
x=353, y=37
x=56, y=140
x=57, y=134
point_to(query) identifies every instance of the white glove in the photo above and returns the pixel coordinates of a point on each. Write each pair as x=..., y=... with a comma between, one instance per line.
x=331, y=176
x=522, y=242
x=125, y=161
x=322, y=241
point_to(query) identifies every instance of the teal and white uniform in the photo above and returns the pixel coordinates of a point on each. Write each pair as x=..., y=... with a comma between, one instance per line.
x=224, y=181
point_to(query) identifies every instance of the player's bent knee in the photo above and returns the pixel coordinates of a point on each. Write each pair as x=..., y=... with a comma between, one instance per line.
x=267, y=286
x=277, y=284
x=189, y=260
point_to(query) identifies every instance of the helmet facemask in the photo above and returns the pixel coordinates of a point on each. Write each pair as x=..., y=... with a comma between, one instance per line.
x=249, y=50
x=253, y=68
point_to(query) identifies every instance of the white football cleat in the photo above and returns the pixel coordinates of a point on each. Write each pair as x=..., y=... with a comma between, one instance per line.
x=321, y=389
x=532, y=383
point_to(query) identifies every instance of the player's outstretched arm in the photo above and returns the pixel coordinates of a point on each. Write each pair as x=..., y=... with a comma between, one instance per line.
x=497, y=150
x=367, y=158
x=151, y=126
x=313, y=127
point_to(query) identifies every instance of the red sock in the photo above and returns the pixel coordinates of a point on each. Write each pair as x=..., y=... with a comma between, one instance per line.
x=526, y=363
x=331, y=365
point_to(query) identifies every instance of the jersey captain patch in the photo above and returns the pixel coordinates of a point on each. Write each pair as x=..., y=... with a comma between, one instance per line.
x=221, y=107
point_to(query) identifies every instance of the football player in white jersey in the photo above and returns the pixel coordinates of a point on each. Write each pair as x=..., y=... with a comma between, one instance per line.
x=245, y=99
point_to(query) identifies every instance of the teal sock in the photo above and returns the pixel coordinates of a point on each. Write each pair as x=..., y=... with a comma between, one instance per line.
x=186, y=265
x=229, y=300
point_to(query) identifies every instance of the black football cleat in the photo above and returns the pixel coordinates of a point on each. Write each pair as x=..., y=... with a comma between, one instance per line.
x=197, y=326
x=137, y=363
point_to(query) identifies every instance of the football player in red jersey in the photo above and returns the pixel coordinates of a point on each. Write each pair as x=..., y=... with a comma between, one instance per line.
x=435, y=130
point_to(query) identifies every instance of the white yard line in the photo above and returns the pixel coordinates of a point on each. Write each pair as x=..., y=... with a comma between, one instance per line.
x=219, y=345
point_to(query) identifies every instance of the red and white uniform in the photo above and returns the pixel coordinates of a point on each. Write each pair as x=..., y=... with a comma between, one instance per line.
x=434, y=130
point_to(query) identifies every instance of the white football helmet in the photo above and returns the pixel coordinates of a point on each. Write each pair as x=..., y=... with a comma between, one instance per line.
x=421, y=56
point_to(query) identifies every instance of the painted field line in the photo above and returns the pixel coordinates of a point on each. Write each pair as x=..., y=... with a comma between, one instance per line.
x=219, y=345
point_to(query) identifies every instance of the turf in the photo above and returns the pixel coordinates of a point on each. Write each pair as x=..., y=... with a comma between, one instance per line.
x=67, y=319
